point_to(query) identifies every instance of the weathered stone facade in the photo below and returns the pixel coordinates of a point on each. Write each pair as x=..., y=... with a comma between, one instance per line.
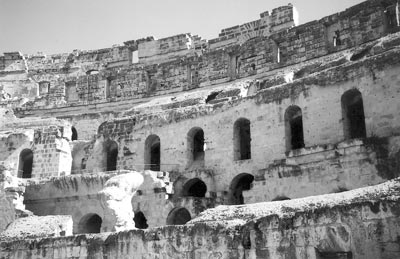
x=268, y=111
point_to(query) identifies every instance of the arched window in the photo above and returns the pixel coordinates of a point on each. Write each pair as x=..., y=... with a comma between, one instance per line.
x=195, y=140
x=111, y=150
x=194, y=188
x=178, y=216
x=353, y=115
x=152, y=156
x=140, y=220
x=242, y=139
x=25, y=163
x=294, y=128
x=240, y=183
x=90, y=223
x=74, y=135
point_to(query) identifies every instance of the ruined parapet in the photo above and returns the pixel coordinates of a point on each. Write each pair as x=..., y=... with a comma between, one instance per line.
x=38, y=227
x=361, y=223
x=166, y=49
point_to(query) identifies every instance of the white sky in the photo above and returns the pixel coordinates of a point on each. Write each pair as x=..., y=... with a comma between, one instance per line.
x=57, y=26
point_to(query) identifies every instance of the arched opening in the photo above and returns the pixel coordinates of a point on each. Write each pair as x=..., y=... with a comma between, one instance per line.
x=353, y=115
x=242, y=182
x=294, y=128
x=74, y=135
x=25, y=163
x=140, y=220
x=196, y=144
x=90, y=223
x=111, y=149
x=152, y=153
x=178, y=216
x=242, y=139
x=194, y=188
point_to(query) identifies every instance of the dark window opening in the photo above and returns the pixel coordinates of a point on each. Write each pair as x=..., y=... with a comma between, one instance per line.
x=194, y=188
x=74, y=135
x=240, y=183
x=25, y=164
x=178, y=216
x=212, y=96
x=336, y=39
x=140, y=220
x=353, y=115
x=253, y=67
x=91, y=223
x=294, y=128
x=242, y=139
x=153, y=153
x=111, y=148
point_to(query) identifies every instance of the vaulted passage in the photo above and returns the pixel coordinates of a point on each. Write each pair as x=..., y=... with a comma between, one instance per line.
x=152, y=154
x=195, y=140
x=74, y=135
x=178, y=216
x=25, y=163
x=194, y=188
x=90, y=223
x=240, y=183
x=294, y=128
x=353, y=115
x=242, y=139
x=111, y=149
x=140, y=220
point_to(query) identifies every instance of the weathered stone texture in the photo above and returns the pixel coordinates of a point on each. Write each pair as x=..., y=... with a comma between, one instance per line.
x=367, y=227
x=267, y=111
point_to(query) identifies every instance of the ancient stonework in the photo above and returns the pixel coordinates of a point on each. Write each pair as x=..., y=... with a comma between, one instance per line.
x=274, y=140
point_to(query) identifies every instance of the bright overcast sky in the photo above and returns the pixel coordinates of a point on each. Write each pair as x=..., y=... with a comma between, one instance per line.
x=57, y=26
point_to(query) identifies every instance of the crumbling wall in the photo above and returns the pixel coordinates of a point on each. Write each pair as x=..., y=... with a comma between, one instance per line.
x=183, y=61
x=357, y=224
x=73, y=195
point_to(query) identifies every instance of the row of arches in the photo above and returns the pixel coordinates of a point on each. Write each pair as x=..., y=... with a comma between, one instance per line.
x=353, y=123
x=91, y=223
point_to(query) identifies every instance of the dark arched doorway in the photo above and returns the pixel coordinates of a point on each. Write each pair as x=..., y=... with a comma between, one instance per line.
x=74, y=135
x=353, y=115
x=152, y=154
x=294, y=128
x=111, y=149
x=25, y=163
x=195, y=140
x=240, y=183
x=194, y=188
x=178, y=216
x=90, y=223
x=140, y=220
x=242, y=139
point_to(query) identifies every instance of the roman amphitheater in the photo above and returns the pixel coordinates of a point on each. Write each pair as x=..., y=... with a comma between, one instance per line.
x=274, y=140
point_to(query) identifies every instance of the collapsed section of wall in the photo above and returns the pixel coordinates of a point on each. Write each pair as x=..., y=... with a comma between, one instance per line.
x=357, y=224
